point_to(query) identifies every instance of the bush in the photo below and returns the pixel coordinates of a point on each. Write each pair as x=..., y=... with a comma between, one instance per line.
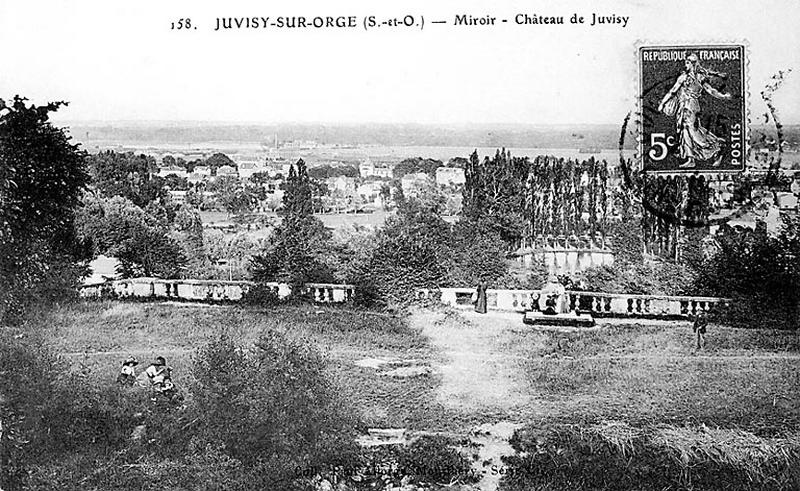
x=26, y=389
x=757, y=311
x=652, y=277
x=260, y=295
x=475, y=255
x=272, y=402
x=51, y=413
x=366, y=294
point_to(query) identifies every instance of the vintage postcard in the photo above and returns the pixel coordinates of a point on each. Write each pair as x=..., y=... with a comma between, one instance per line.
x=400, y=246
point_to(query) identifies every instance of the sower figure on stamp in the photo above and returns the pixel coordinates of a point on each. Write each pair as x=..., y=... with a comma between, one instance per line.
x=683, y=102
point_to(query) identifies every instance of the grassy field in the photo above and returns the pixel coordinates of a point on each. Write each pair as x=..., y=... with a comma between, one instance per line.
x=97, y=336
x=623, y=371
x=622, y=377
x=644, y=374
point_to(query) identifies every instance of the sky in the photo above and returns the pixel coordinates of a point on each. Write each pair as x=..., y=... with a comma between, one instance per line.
x=120, y=61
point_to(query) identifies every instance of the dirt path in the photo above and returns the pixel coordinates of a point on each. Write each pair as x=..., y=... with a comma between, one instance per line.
x=124, y=353
x=475, y=375
x=478, y=378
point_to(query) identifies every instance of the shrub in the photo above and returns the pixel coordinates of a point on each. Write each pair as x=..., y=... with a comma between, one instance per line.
x=652, y=277
x=50, y=413
x=271, y=402
x=260, y=295
x=475, y=255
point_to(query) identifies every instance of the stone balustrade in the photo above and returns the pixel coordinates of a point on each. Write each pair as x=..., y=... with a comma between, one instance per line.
x=207, y=290
x=598, y=304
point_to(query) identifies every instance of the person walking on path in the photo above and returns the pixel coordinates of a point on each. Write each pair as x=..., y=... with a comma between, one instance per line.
x=480, y=302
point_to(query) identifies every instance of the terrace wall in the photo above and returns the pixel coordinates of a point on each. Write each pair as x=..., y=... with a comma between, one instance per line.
x=596, y=303
x=206, y=290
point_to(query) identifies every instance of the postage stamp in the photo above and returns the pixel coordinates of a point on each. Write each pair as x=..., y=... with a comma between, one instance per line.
x=693, y=101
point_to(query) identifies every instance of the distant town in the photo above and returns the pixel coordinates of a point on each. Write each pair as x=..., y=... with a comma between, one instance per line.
x=360, y=175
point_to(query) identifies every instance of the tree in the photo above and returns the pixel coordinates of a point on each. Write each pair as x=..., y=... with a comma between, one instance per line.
x=232, y=196
x=475, y=255
x=127, y=175
x=236, y=249
x=118, y=228
x=761, y=273
x=218, y=160
x=319, y=189
x=386, y=195
x=411, y=251
x=417, y=164
x=42, y=176
x=194, y=199
x=176, y=183
x=189, y=233
x=494, y=194
x=257, y=184
x=292, y=255
x=325, y=171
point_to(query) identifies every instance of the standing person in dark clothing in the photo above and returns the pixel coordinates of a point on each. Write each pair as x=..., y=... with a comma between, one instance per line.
x=480, y=303
x=699, y=328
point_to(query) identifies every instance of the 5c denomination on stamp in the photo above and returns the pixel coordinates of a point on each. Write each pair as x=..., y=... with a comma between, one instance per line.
x=693, y=108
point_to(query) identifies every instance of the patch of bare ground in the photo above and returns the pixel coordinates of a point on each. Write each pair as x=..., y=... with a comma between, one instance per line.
x=477, y=377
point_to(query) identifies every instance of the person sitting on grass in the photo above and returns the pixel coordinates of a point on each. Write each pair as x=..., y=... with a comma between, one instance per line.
x=159, y=373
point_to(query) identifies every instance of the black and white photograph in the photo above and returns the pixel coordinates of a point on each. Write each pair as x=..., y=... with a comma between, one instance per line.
x=400, y=246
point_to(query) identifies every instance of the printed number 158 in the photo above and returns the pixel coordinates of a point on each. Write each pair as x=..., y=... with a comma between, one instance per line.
x=182, y=24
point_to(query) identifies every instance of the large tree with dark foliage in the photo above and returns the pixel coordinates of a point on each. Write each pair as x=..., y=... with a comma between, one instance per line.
x=140, y=240
x=293, y=253
x=760, y=273
x=218, y=160
x=494, y=194
x=42, y=176
x=416, y=248
x=231, y=195
x=416, y=164
x=325, y=171
x=127, y=175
